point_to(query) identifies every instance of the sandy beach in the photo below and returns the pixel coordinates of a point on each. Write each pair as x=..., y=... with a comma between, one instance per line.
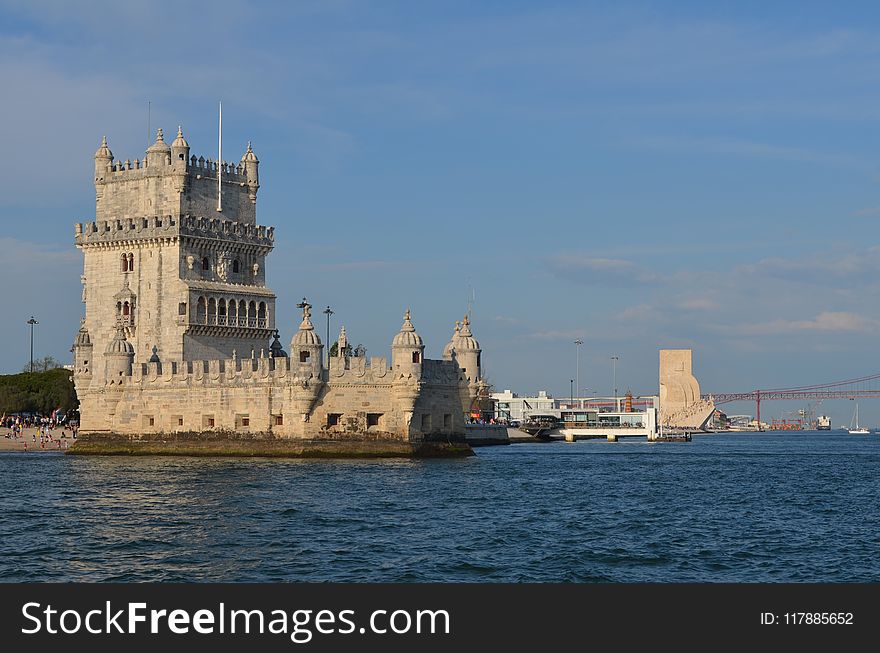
x=27, y=437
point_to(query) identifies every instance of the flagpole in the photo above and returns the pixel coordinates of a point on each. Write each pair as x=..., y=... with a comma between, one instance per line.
x=220, y=160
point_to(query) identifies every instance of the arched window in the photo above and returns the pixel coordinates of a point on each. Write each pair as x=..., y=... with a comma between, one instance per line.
x=242, y=313
x=221, y=312
x=206, y=264
x=212, y=311
x=303, y=357
x=233, y=313
x=202, y=311
x=236, y=266
x=119, y=309
x=417, y=357
x=261, y=315
x=126, y=310
x=124, y=263
x=252, y=314
x=130, y=262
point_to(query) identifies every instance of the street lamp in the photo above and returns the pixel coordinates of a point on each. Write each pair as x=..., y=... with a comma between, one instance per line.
x=614, y=360
x=577, y=369
x=570, y=392
x=328, y=313
x=32, y=322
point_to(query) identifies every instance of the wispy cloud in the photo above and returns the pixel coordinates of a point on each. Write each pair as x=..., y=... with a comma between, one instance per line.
x=828, y=321
x=551, y=335
x=588, y=269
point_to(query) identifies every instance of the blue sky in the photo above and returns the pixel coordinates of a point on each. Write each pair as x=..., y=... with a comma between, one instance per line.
x=639, y=175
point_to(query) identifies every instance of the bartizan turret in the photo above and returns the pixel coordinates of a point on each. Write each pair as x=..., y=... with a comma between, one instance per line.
x=407, y=350
x=82, y=356
x=407, y=357
x=103, y=161
x=158, y=154
x=118, y=358
x=465, y=352
x=306, y=355
x=251, y=165
x=179, y=152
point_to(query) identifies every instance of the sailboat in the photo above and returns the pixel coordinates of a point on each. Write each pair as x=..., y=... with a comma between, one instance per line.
x=854, y=428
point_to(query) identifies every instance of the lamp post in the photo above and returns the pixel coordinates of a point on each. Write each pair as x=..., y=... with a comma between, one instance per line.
x=570, y=392
x=328, y=313
x=577, y=369
x=32, y=322
x=614, y=360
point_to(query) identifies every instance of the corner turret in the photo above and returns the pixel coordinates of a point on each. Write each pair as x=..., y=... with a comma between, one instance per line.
x=118, y=357
x=305, y=346
x=179, y=151
x=158, y=154
x=251, y=165
x=467, y=352
x=407, y=350
x=103, y=160
x=82, y=353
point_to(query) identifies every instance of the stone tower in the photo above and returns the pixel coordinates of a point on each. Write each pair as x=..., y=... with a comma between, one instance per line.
x=176, y=266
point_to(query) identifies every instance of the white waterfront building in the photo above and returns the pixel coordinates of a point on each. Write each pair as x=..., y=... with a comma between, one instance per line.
x=511, y=406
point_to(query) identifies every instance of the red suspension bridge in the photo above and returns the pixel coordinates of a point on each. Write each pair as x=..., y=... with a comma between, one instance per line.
x=866, y=386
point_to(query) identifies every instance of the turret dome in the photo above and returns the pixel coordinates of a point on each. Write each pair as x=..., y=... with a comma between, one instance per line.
x=249, y=155
x=82, y=337
x=119, y=345
x=104, y=151
x=450, y=346
x=160, y=145
x=465, y=340
x=306, y=336
x=180, y=141
x=407, y=336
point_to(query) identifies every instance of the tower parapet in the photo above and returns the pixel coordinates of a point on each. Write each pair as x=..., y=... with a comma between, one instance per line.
x=171, y=181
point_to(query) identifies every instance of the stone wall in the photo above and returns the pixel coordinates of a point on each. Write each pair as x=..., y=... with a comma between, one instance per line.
x=278, y=397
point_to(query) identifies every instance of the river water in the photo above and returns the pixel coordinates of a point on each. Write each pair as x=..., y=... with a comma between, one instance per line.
x=723, y=508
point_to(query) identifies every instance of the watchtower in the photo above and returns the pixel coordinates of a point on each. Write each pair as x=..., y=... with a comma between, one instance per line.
x=175, y=255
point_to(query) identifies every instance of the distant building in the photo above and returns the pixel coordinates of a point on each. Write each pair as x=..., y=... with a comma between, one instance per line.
x=511, y=406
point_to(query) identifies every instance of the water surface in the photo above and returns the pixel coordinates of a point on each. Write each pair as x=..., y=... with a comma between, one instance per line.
x=725, y=508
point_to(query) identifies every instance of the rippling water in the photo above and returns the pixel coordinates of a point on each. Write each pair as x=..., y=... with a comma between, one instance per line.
x=733, y=507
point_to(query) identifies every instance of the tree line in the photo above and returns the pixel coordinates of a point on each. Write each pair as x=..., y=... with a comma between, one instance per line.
x=37, y=392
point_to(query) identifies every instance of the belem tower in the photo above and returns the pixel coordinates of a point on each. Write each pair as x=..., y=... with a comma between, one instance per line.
x=178, y=351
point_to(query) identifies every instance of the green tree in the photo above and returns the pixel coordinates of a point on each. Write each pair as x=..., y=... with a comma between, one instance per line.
x=40, y=392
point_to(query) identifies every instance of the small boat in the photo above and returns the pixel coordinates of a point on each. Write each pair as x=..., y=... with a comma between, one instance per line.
x=540, y=426
x=854, y=428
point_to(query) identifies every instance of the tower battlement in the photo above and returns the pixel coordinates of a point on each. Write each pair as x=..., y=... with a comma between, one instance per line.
x=124, y=229
x=169, y=180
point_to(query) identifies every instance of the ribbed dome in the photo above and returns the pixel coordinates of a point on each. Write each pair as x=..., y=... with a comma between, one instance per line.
x=82, y=337
x=119, y=345
x=180, y=141
x=450, y=346
x=465, y=340
x=160, y=145
x=407, y=336
x=306, y=335
x=104, y=151
x=249, y=155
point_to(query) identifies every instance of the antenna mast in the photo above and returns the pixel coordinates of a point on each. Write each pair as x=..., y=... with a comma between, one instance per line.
x=220, y=160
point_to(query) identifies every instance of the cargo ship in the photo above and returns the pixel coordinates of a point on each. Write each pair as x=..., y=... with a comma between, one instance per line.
x=823, y=423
